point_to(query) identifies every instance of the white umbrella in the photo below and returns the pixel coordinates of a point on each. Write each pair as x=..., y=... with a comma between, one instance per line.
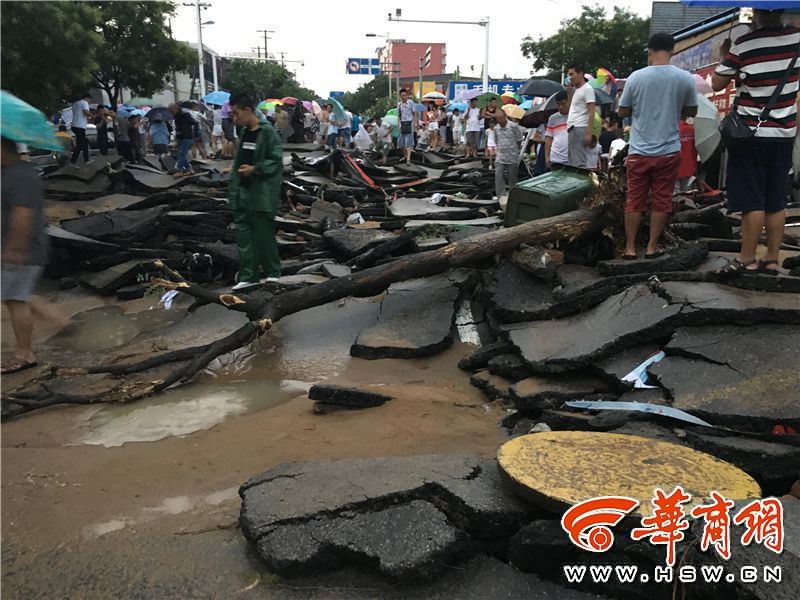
x=434, y=96
x=706, y=128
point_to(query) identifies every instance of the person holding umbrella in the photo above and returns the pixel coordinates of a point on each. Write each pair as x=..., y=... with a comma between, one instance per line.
x=473, y=121
x=255, y=187
x=24, y=250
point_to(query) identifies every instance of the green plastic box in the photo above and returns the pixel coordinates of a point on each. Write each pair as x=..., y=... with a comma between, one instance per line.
x=553, y=193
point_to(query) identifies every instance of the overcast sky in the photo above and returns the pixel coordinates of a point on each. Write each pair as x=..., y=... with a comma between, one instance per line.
x=304, y=35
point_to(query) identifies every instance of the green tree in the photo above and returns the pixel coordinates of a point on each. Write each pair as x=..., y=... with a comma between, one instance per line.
x=368, y=94
x=263, y=79
x=595, y=40
x=138, y=52
x=48, y=51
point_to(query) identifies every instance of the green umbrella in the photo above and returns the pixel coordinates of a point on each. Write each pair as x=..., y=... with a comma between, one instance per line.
x=21, y=122
x=267, y=105
x=486, y=97
x=391, y=113
x=338, y=109
x=137, y=102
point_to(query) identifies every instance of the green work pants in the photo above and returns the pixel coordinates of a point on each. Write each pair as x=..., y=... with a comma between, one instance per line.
x=258, y=246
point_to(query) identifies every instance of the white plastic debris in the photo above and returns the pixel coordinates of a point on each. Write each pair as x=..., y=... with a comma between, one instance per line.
x=355, y=219
x=167, y=299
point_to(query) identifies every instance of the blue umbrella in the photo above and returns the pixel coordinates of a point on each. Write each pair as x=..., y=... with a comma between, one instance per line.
x=461, y=106
x=419, y=107
x=526, y=104
x=21, y=122
x=219, y=98
x=757, y=4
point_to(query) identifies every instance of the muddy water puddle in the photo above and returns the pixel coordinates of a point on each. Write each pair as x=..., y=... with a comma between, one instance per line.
x=185, y=410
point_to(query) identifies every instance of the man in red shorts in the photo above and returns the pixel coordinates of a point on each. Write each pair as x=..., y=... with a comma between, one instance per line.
x=656, y=98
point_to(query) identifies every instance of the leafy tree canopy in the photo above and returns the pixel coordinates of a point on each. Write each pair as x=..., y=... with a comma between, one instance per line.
x=595, y=40
x=262, y=79
x=138, y=51
x=365, y=98
x=48, y=51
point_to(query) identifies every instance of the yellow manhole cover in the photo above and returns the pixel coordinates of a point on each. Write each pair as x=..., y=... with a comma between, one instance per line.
x=561, y=468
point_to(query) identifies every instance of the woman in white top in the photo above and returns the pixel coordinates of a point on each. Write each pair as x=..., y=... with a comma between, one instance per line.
x=217, y=133
x=432, y=117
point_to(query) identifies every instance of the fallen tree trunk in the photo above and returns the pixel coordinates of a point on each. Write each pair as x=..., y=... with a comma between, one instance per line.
x=265, y=312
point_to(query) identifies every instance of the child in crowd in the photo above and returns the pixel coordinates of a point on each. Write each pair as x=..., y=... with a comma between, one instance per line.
x=491, y=146
x=593, y=155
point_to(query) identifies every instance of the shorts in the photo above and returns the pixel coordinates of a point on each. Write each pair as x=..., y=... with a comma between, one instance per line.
x=383, y=147
x=491, y=146
x=227, y=129
x=160, y=149
x=655, y=175
x=405, y=140
x=433, y=127
x=217, y=132
x=758, y=176
x=473, y=138
x=18, y=283
x=332, y=137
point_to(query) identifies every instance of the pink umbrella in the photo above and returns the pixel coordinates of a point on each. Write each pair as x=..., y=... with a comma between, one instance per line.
x=701, y=86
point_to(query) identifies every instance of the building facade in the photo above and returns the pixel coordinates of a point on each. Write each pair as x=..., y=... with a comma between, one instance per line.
x=408, y=56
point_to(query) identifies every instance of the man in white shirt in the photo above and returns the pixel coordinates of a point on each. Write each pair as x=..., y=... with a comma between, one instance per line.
x=346, y=127
x=581, y=116
x=472, y=117
x=80, y=119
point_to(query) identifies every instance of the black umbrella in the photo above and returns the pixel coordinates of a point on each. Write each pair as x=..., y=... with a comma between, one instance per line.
x=601, y=98
x=159, y=113
x=539, y=113
x=540, y=87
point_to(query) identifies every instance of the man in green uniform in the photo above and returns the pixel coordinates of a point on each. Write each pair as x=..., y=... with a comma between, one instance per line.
x=255, y=187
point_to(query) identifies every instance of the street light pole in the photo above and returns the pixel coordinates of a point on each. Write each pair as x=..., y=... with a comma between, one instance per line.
x=482, y=23
x=200, y=65
x=388, y=40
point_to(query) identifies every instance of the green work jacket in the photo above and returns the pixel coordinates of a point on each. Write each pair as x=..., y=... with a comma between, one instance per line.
x=263, y=192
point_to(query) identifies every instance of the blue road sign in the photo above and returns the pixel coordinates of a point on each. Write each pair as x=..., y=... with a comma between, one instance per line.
x=335, y=94
x=363, y=66
x=456, y=88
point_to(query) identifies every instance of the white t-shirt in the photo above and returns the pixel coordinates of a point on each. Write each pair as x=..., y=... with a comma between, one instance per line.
x=617, y=145
x=78, y=116
x=385, y=133
x=473, y=119
x=348, y=120
x=457, y=124
x=218, y=117
x=578, y=112
x=490, y=139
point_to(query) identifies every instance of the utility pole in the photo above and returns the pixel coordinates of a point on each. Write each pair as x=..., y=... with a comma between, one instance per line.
x=265, y=32
x=200, y=64
x=258, y=50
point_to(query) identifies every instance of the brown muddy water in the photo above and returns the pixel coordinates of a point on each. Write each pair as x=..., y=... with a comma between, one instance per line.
x=139, y=500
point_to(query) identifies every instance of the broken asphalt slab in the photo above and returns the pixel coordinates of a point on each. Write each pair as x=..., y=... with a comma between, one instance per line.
x=423, y=208
x=533, y=394
x=682, y=258
x=639, y=315
x=734, y=375
x=347, y=397
x=415, y=320
x=403, y=517
x=117, y=226
x=352, y=242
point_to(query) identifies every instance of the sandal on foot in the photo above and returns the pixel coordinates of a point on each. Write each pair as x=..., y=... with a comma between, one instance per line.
x=762, y=267
x=736, y=267
x=629, y=257
x=656, y=254
x=17, y=365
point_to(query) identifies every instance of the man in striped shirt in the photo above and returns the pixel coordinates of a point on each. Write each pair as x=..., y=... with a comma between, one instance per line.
x=758, y=175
